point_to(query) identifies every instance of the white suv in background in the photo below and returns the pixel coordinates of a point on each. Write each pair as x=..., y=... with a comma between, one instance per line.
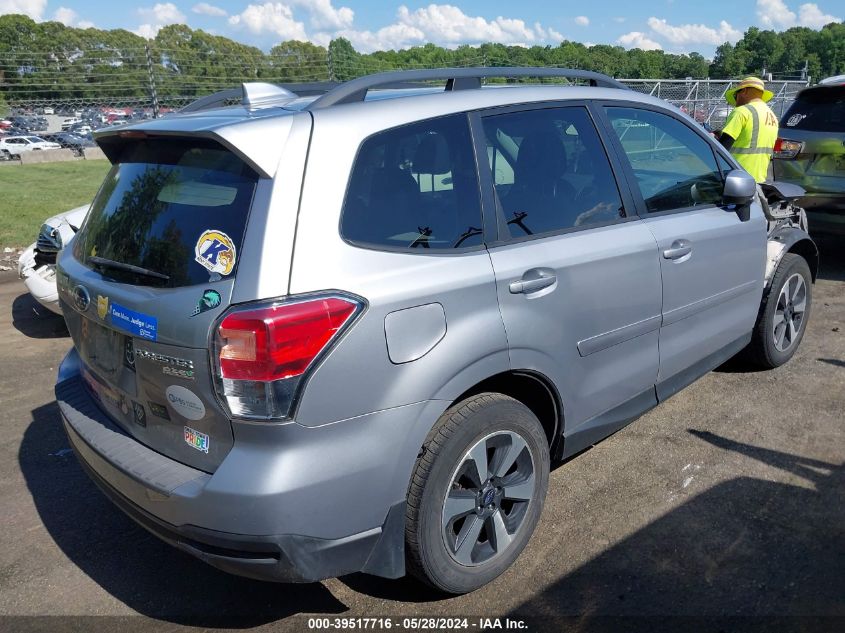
x=13, y=146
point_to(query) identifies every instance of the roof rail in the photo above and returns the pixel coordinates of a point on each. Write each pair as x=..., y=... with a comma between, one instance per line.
x=252, y=95
x=456, y=79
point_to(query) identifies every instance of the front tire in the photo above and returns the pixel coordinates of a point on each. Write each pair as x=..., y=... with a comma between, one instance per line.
x=784, y=314
x=476, y=493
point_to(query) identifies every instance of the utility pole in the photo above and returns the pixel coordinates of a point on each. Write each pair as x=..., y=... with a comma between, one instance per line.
x=153, y=93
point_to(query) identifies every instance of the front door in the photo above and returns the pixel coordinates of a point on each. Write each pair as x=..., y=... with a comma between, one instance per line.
x=712, y=263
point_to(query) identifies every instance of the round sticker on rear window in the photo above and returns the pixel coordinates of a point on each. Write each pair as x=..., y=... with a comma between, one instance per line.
x=185, y=402
x=215, y=251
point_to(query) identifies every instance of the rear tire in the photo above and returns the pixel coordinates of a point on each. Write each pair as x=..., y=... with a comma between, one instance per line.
x=784, y=313
x=476, y=493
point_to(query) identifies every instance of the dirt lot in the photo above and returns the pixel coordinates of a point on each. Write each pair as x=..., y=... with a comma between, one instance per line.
x=728, y=500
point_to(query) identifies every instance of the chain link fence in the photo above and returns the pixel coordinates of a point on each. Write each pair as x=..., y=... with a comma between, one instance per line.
x=83, y=90
x=704, y=99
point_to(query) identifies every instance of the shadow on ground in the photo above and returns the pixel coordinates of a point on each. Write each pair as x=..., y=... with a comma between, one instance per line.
x=831, y=256
x=33, y=320
x=746, y=547
x=135, y=567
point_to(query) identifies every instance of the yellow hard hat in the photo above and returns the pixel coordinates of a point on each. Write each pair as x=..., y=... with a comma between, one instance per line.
x=748, y=82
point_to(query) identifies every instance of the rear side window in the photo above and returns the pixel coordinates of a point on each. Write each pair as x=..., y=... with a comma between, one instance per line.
x=818, y=109
x=415, y=188
x=550, y=171
x=172, y=209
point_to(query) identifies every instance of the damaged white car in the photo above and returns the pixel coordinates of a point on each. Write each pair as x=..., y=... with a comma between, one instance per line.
x=37, y=264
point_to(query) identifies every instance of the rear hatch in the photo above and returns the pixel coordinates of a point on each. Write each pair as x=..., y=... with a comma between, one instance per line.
x=149, y=272
x=816, y=120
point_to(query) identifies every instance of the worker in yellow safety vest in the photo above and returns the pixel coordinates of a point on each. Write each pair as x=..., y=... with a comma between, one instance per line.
x=752, y=128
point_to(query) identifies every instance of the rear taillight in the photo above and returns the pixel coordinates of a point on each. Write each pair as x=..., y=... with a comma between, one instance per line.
x=263, y=351
x=785, y=148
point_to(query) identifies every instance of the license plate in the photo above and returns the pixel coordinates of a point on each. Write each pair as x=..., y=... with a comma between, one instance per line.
x=196, y=439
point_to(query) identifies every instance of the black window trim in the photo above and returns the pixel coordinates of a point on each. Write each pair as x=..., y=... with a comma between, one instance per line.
x=502, y=234
x=641, y=208
x=404, y=250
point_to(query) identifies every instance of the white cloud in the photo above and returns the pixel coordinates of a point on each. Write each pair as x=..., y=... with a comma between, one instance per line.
x=394, y=36
x=323, y=15
x=446, y=25
x=147, y=31
x=270, y=17
x=32, y=8
x=547, y=35
x=203, y=8
x=775, y=13
x=582, y=20
x=69, y=17
x=810, y=15
x=637, y=39
x=162, y=13
x=159, y=16
x=694, y=33
x=619, y=19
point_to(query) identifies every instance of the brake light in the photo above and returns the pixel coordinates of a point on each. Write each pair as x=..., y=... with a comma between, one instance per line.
x=263, y=351
x=785, y=148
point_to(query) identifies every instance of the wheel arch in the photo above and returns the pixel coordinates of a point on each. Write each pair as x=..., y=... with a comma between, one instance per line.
x=535, y=391
x=793, y=240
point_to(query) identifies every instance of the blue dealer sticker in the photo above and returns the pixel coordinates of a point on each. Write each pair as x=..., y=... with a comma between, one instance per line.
x=137, y=323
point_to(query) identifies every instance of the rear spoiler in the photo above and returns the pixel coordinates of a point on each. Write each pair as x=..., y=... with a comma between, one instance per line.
x=246, y=138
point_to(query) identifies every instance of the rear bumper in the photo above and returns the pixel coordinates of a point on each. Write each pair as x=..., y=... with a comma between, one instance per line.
x=153, y=489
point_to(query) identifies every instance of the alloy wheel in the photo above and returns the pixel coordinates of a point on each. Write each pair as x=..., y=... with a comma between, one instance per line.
x=488, y=498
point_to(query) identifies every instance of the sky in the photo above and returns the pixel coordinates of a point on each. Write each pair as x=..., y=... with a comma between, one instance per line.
x=676, y=26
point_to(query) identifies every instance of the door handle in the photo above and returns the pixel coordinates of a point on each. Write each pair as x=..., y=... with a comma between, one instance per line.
x=679, y=249
x=533, y=280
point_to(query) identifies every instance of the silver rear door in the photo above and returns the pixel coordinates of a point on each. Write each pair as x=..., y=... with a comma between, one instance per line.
x=576, y=273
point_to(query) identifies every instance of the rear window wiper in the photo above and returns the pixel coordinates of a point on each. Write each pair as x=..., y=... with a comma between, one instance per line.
x=110, y=263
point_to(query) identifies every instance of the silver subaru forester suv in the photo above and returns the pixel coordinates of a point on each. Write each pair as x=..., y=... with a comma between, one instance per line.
x=351, y=332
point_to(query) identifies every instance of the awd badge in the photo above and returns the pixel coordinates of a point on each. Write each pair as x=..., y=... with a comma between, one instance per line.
x=215, y=251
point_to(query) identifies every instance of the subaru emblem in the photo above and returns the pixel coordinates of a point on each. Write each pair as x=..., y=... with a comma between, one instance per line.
x=81, y=298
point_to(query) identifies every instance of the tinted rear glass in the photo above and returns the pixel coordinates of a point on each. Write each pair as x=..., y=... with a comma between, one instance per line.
x=415, y=187
x=819, y=109
x=173, y=208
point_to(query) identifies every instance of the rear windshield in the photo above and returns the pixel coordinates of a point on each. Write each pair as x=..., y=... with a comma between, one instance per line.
x=170, y=213
x=818, y=109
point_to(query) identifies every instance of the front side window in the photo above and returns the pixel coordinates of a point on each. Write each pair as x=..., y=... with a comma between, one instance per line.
x=550, y=171
x=415, y=188
x=674, y=167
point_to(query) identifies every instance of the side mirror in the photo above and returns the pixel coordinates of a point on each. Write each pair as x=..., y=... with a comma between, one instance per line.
x=740, y=188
